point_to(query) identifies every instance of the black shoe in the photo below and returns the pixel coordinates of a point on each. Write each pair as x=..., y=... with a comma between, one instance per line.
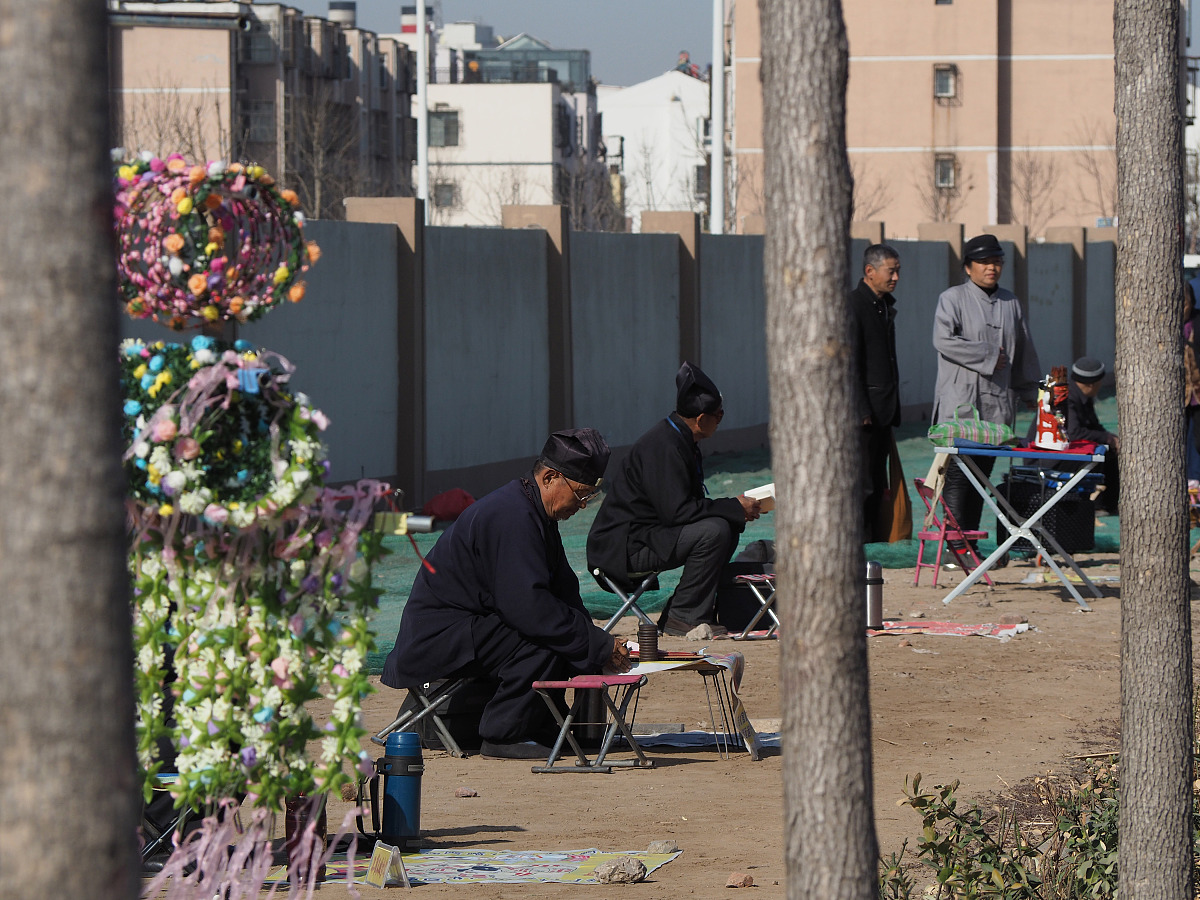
x=675, y=627
x=521, y=750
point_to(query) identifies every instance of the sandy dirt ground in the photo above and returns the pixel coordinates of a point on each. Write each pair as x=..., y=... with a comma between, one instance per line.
x=986, y=712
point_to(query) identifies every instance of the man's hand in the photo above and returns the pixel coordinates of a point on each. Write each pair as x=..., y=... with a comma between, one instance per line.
x=751, y=508
x=868, y=422
x=621, y=660
x=1001, y=360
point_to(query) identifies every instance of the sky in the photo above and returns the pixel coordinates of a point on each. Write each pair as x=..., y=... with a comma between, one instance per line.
x=630, y=40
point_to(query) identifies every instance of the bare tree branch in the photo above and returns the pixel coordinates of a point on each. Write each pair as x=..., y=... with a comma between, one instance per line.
x=1035, y=181
x=871, y=194
x=1097, y=160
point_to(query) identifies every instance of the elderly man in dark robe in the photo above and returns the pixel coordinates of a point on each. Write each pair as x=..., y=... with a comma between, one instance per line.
x=503, y=603
x=656, y=515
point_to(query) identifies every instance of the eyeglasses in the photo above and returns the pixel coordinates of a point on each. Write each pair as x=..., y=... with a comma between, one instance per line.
x=590, y=494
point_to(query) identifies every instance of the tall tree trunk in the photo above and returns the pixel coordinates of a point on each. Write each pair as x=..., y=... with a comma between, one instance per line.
x=69, y=811
x=830, y=844
x=1156, y=668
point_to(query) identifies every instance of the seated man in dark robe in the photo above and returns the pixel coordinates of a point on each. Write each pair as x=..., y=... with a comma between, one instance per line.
x=503, y=602
x=1084, y=425
x=655, y=514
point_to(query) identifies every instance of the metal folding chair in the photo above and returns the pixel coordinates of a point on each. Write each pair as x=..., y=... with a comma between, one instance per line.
x=429, y=697
x=763, y=588
x=625, y=688
x=629, y=599
x=947, y=533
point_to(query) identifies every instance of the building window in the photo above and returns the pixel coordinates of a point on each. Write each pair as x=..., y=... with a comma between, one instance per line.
x=942, y=2
x=260, y=121
x=945, y=171
x=945, y=82
x=259, y=44
x=445, y=194
x=443, y=128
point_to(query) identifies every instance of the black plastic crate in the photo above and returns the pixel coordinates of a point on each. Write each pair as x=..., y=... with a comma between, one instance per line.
x=1072, y=520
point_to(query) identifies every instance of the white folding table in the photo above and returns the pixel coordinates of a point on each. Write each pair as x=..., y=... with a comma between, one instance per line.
x=1027, y=527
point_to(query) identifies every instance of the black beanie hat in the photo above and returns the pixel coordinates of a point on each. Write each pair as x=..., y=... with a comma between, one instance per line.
x=579, y=453
x=695, y=392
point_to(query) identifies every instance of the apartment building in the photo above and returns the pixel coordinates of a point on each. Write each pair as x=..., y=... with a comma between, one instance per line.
x=656, y=137
x=516, y=124
x=324, y=105
x=977, y=111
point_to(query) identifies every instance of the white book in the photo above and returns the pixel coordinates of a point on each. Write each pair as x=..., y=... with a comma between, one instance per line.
x=765, y=496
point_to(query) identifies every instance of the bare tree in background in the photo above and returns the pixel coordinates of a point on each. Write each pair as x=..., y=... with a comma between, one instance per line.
x=743, y=194
x=1035, y=190
x=166, y=119
x=1156, y=649
x=942, y=201
x=504, y=186
x=587, y=193
x=831, y=848
x=1097, y=163
x=870, y=194
x=69, y=812
x=326, y=153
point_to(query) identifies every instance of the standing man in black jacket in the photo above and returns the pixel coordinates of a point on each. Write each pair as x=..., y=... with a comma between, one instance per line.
x=877, y=378
x=656, y=515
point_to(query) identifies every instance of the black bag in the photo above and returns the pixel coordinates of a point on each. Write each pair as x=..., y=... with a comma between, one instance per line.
x=1072, y=521
x=736, y=603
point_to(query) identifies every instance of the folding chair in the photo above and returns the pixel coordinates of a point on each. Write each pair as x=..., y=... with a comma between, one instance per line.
x=160, y=819
x=947, y=533
x=763, y=588
x=629, y=599
x=429, y=697
x=625, y=688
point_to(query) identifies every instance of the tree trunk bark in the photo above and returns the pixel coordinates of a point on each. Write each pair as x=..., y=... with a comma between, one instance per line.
x=70, y=807
x=831, y=848
x=1156, y=668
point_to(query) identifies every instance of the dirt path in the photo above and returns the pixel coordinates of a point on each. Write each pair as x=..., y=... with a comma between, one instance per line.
x=986, y=712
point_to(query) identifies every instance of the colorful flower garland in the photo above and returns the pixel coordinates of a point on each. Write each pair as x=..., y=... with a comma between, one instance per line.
x=252, y=580
x=208, y=243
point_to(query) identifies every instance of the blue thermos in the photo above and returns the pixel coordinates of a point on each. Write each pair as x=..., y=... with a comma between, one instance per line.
x=401, y=768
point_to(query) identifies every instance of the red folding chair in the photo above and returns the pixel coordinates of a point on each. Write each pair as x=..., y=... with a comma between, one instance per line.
x=947, y=533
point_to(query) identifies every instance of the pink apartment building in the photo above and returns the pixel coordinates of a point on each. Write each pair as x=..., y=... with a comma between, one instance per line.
x=973, y=111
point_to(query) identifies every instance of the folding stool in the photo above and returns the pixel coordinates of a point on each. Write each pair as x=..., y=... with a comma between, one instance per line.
x=763, y=588
x=429, y=697
x=629, y=600
x=626, y=688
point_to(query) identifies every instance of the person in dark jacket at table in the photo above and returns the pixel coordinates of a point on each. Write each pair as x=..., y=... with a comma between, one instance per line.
x=877, y=377
x=655, y=514
x=502, y=601
x=1084, y=425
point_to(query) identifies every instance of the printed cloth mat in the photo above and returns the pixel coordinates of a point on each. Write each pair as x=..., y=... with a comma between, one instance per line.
x=1003, y=632
x=494, y=866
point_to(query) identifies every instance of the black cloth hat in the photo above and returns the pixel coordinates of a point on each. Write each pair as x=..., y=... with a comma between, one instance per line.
x=579, y=453
x=984, y=246
x=1087, y=370
x=695, y=393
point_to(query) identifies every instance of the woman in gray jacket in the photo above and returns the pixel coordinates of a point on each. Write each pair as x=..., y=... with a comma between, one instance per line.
x=986, y=359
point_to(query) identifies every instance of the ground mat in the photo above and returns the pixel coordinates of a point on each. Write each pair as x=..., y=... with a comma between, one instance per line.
x=494, y=866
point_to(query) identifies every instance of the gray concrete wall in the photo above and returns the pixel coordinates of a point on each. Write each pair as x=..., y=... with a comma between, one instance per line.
x=625, y=322
x=486, y=336
x=733, y=325
x=1101, y=302
x=924, y=273
x=1051, y=279
x=342, y=339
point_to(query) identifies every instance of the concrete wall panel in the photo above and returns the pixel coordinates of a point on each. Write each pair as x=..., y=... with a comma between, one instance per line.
x=1051, y=280
x=733, y=325
x=625, y=321
x=342, y=340
x=486, y=338
x=1102, y=302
